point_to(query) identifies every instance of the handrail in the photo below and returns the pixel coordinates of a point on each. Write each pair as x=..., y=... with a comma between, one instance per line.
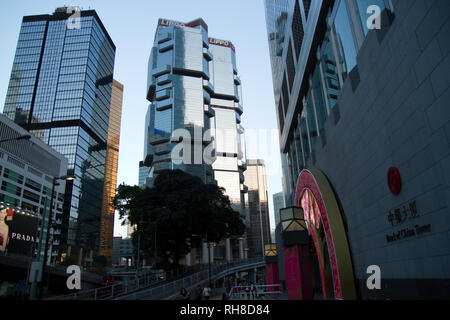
x=147, y=280
x=239, y=291
x=108, y=292
x=172, y=288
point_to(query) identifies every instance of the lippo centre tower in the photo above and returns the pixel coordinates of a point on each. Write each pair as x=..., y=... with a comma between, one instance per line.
x=194, y=117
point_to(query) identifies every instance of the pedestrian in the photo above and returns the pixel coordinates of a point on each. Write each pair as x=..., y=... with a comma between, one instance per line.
x=247, y=290
x=198, y=293
x=206, y=292
x=254, y=291
x=184, y=294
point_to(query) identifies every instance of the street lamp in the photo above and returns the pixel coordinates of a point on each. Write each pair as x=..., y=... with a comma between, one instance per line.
x=50, y=217
x=24, y=137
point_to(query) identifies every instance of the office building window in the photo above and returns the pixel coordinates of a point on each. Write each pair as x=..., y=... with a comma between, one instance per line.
x=290, y=66
x=285, y=93
x=311, y=117
x=345, y=39
x=297, y=29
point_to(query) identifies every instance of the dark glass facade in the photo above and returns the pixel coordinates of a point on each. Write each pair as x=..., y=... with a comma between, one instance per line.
x=60, y=90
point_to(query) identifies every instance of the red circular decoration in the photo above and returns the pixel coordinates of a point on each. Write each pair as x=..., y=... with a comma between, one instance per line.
x=394, y=180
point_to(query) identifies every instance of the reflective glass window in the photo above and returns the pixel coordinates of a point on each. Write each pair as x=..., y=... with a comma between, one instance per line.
x=345, y=41
x=310, y=114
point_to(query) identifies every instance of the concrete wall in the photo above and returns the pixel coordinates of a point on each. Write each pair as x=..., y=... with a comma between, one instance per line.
x=395, y=111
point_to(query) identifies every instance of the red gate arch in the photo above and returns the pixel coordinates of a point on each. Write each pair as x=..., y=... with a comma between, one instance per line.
x=315, y=195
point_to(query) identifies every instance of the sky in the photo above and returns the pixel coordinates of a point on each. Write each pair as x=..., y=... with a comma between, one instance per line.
x=131, y=25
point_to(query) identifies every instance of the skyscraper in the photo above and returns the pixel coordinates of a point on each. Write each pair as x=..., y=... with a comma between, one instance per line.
x=194, y=115
x=111, y=166
x=258, y=232
x=278, y=203
x=60, y=90
x=362, y=104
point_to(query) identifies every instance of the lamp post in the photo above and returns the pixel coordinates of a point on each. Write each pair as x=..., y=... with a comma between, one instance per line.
x=50, y=217
x=24, y=137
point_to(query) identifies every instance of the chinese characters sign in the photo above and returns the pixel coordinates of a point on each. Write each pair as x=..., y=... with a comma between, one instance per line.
x=405, y=213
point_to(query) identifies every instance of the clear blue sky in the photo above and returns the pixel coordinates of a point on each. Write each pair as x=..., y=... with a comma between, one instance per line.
x=131, y=25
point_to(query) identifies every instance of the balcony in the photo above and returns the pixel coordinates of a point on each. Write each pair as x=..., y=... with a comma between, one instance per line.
x=238, y=118
x=161, y=70
x=164, y=104
x=163, y=79
x=238, y=107
x=162, y=166
x=242, y=165
x=157, y=139
x=163, y=94
x=162, y=149
x=208, y=86
x=209, y=111
x=237, y=80
x=206, y=97
x=207, y=54
x=166, y=46
x=165, y=36
x=166, y=157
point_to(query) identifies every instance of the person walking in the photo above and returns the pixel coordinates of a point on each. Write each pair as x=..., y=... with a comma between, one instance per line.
x=198, y=293
x=184, y=295
x=206, y=292
x=247, y=290
x=254, y=291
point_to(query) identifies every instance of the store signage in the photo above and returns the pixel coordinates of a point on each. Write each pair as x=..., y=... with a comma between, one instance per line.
x=192, y=24
x=408, y=233
x=223, y=43
x=167, y=23
x=19, y=232
x=405, y=213
x=398, y=216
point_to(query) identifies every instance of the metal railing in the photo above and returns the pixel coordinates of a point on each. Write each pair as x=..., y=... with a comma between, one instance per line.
x=171, y=289
x=123, y=287
x=149, y=286
x=258, y=292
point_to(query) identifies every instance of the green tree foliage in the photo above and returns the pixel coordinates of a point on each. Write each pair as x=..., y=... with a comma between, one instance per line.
x=177, y=213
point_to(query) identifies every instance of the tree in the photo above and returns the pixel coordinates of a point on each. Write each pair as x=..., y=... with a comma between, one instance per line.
x=177, y=207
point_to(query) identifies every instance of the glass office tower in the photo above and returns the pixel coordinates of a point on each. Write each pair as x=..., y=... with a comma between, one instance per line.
x=60, y=90
x=362, y=103
x=258, y=234
x=193, y=85
x=111, y=166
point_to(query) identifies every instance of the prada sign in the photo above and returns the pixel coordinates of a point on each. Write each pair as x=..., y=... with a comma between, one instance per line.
x=18, y=232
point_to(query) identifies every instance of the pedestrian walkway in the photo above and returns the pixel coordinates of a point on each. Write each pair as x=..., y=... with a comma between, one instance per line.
x=218, y=292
